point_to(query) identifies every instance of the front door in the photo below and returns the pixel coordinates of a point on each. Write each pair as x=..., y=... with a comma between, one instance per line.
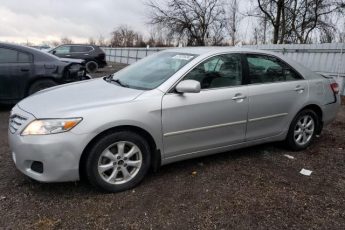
x=215, y=117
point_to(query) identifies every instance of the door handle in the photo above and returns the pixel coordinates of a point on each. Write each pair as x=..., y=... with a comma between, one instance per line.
x=239, y=97
x=299, y=89
x=68, y=55
x=24, y=70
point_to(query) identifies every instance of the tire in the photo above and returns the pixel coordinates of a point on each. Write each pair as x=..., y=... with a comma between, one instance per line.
x=302, y=132
x=91, y=66
x=40, y=85
x=107, y=169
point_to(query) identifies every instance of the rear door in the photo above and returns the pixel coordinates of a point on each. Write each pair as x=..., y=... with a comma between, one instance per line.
x=15, y=69
x=276, y=92
x=80, y=52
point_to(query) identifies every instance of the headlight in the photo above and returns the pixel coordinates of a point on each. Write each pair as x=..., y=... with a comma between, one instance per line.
x=50, y=126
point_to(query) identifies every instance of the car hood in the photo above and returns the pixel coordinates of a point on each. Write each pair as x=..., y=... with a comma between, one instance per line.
x=71, y=99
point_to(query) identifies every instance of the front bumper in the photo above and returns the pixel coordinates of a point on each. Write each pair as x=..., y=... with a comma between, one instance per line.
x=59, y=154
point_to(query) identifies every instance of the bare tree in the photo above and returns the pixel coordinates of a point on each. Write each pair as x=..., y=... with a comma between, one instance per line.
x=341, y=34
x=327, y=35
x=124, y=36
x=297, y=20
x=256, y=36
x=139, y=40
x=196, y=21
x=311, y=15
x=272, y=9
x=341, y=37
x=28, y=43
x=66, y=40
x=159, y=37
x=92, y=41
x=55, y=43
x=233, y=21
x=101, y=41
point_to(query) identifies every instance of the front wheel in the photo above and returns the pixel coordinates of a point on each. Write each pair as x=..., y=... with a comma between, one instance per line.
x=118, y=161
x=41, y=85
x=302, y=130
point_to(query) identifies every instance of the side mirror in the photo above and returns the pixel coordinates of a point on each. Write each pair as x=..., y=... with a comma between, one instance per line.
x=54, y=52
x=188, y=86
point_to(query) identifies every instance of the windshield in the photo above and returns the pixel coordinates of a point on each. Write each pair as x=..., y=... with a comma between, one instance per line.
x=152, y=71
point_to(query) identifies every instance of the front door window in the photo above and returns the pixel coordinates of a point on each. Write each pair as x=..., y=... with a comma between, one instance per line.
x=217, y=72
x=62, y=50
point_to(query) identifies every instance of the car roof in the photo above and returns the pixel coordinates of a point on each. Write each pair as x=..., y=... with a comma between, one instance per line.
x=78, y=45
x=39, y=55
x=214, y=50
x=19, y=47
x=209, y=50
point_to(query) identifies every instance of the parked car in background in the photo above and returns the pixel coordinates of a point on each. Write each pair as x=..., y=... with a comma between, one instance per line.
x=25, y=70
x=92, y=54
x=171, y=106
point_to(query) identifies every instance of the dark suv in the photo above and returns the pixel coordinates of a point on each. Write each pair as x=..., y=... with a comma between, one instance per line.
x=93, y=55
x=25, y=70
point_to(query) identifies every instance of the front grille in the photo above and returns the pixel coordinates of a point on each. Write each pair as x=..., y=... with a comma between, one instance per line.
x=16, y=121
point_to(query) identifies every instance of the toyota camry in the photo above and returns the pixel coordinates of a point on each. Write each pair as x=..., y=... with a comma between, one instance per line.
x=171, y=106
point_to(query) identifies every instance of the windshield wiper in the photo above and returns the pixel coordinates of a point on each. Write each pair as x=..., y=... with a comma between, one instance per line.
x=109, y=77
x=117, y=81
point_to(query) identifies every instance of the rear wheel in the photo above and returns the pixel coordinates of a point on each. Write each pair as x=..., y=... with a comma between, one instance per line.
x=302, y=130
x=118, y=161
x=40, y=85
x=91, y=66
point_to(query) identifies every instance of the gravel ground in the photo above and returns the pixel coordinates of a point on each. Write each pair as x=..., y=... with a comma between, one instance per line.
x=253, y=188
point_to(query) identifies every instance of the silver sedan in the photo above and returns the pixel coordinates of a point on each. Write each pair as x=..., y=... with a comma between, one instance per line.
x=174, y=105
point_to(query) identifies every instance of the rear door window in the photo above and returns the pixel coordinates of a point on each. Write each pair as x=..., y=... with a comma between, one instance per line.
x=81, y=49
x=267, y=69
x=24, y=57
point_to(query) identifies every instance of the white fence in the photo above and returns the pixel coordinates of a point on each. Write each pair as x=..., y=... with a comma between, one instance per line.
x=128, y=55
x=328, y=59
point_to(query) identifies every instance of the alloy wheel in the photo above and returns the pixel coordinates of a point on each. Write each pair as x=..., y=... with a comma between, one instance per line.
x=304, y=130
x=120, y=162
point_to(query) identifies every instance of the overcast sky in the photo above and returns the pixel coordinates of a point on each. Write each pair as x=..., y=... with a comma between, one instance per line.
x=38, y=21
x=43, y=20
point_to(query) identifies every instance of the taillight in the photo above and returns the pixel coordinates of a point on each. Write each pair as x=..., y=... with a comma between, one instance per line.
x=335, y=88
